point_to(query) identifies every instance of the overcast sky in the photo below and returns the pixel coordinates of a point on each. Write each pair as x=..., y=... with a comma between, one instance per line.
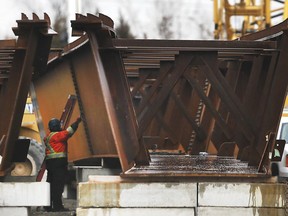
x=142, y=15
x=192, y=19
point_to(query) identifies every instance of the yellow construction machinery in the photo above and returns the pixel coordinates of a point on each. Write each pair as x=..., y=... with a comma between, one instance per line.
x=29, y=130
x=236, y=18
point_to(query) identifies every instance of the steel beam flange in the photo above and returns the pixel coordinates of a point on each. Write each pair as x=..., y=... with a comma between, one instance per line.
x=31, y=54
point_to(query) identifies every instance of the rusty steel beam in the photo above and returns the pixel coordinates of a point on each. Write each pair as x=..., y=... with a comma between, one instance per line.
x=188, y=45
x=222, y=97
x=28, y=58
x=116, y=100
x=218, y=84
x=195, y=166
x=57, y=84
x=97, y=77
x=276, y=91
x=7, y=50
x=240, y=110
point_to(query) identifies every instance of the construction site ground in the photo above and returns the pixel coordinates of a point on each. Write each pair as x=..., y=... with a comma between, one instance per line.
x=71, y=204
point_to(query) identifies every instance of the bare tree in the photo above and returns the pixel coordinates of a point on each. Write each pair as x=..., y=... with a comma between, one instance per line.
x=164, y=27
x=60, y=24
x=205, y=32
x=166, y=19
x=123, y=30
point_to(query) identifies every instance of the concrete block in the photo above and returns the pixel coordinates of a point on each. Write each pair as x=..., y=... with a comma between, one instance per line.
x=135, y=211
x=222, y=211
x=116, y=192
x=14, y=211
x=24, y=194
x=241, y=194
x=83, y=173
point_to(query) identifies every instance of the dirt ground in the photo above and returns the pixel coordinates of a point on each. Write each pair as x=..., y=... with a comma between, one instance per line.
x=68, y=203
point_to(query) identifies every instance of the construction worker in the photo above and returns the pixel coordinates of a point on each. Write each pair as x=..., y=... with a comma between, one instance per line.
x=56, y=160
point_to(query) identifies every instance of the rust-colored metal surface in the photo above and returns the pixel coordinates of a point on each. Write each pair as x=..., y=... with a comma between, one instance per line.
x=171, y=166
x=19, y=60
x=52, y=90
x=136, y=96
x=97, y=77
x=213, y=92
x=141, y=96
x=141, y=100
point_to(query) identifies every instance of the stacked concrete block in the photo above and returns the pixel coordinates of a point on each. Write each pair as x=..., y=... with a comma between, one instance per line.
x=111, y=195
x=16, y=198
x=257, y=199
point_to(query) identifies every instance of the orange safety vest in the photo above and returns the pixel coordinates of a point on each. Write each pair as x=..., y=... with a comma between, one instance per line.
x=56, y=143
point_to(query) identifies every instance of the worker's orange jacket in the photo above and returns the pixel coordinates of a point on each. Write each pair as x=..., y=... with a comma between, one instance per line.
x=56, y=143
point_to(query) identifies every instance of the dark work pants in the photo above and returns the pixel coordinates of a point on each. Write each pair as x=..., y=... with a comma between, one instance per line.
x=56, y=176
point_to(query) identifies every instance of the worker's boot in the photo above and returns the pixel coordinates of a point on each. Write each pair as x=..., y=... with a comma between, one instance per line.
x=60, y=209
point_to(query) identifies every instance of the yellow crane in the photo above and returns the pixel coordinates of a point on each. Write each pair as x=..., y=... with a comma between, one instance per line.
x=233, y=18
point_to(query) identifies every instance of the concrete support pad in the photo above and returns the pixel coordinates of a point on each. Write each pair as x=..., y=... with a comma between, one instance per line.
x=113, y=196
x=241, y=194
x=115, y=192
x=14, y=211
x=135, y=211
x=222, y=211
x=24, y=194
x=83, y=173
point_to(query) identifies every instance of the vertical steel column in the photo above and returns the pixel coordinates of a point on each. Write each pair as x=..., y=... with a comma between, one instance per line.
x=16, y=90
x=109, y=77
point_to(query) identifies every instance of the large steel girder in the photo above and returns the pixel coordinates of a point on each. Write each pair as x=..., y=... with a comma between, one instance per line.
x=77, y=73
x=277, y=89
x=191, y=96
x=193, y=75
x=113, y=92
x=31, y=54
x=217, y=99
